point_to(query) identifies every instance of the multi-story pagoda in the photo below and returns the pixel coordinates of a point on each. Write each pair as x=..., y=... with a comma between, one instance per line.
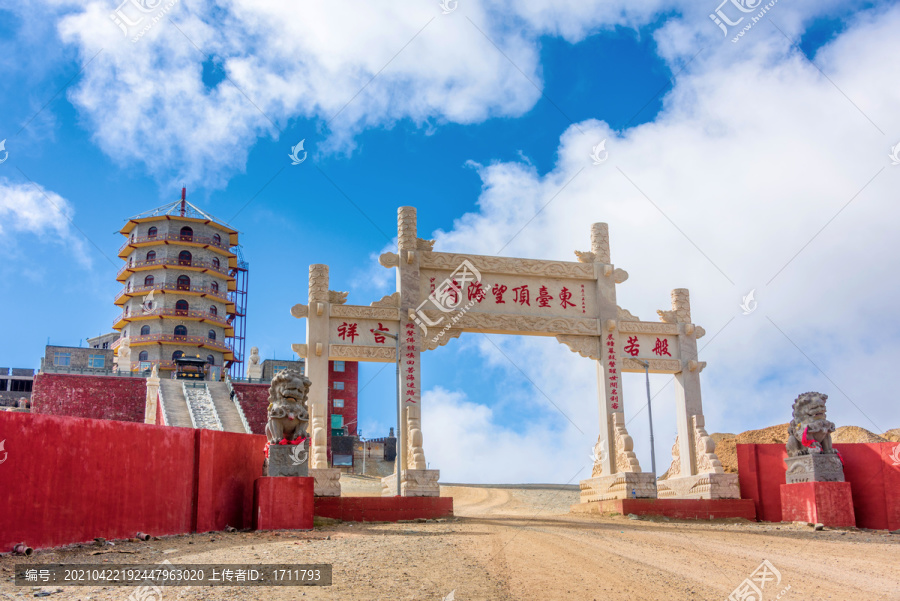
x=184, y=290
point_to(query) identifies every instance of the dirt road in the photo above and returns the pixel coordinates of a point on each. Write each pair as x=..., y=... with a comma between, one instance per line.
x=520, y=543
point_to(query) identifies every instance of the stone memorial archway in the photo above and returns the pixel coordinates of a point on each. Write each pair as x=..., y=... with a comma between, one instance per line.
x=440, y=295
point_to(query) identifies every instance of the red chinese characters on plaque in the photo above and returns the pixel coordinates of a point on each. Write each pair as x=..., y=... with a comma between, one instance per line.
x=408, y=373
x=348, y=330
x=612, y=372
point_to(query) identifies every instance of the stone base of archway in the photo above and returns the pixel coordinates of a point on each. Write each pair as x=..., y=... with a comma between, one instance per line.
x=327, y=481
x=679, y=509
x=414, y=483
x=701, y=486
x=624, y=485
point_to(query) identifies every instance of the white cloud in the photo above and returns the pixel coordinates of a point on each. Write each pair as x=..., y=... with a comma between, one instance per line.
x=750, y=160
x=30, y=208
x=146, y=101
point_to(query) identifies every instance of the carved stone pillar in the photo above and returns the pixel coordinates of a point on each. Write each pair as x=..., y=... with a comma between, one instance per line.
x=152, y=397
x=416, y=479
x=617, y=473
x=701, y=475
x=327, y=480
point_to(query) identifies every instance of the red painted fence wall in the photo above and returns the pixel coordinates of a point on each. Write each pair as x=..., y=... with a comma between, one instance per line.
x=871, y=469
x=97, y=397
x=65, y=480
x=254, y=399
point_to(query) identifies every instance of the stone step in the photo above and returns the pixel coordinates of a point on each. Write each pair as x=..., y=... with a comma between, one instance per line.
x=225, y=407
x=176, y=407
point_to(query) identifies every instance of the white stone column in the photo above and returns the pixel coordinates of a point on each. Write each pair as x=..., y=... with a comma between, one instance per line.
x=416, y=479
x=618, y=474
x=698, y=473
x=152, y=397
x=327, y=480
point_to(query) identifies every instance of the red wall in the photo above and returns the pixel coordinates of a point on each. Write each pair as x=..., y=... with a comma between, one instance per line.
x=254, y=400
x=874, y=479
x=97, y=397
x=68, y=480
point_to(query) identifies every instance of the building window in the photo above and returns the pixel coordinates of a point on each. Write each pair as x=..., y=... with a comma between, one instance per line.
x=338, y=403
x=183, y=282
x=145, y=330
x=215, y=262
x=210, y=359
x=151, y=233
x=337, y=421
x=211, y=334
x=338, y=385
x=96, y=346
x=184, y=258
x=213, y=310
x=278, y=368
x=20, y=386
x=187, y=234
x=148, y=281
x=214, y=286
x=182, y=307
x=217, y=239
x=180, y=331
x=96, y=361
x=151, y=256
x=338, y=366
x=62, y=359
x=177, y=355
x=105, y=345
x=143, y=356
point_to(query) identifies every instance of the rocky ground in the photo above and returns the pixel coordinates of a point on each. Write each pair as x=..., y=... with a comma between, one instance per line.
x=516, y=542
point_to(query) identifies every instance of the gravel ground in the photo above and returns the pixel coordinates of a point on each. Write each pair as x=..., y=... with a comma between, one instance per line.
x=511, y=542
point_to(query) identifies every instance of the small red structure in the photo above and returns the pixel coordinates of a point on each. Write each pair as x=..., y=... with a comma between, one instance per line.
x=283, y=503
x=869, y=468
x=828, y=503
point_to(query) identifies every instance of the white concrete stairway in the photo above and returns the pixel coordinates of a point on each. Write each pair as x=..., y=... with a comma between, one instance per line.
x=227, y=410
x=176, y=408
x=199, y=401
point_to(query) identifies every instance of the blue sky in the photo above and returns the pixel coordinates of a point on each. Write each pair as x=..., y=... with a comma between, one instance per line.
x=716, y=179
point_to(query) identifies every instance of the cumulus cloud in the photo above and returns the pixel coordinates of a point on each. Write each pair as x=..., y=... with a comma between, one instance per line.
x=349, y=67
x=30, y=208
x=759, y=174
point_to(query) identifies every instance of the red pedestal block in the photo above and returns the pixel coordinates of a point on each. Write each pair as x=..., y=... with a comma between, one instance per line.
x=682, y=509
x=283, y=503
x=829, y=503
x=383, y=509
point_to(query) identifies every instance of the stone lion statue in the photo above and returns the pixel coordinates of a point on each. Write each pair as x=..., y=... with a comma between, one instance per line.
x=288, y=413
x=809, y=431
